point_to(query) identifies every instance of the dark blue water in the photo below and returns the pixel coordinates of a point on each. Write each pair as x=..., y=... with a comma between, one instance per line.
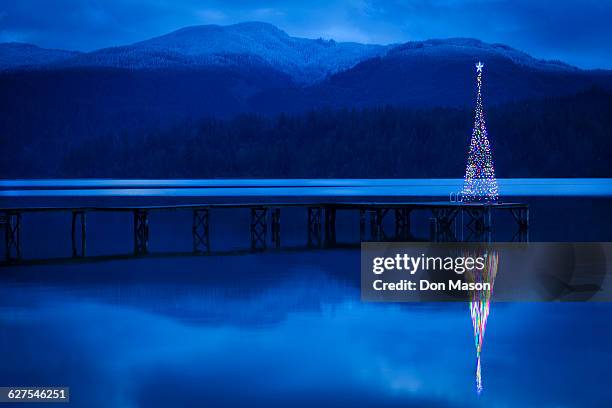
x=287, y=328
x=284, y=330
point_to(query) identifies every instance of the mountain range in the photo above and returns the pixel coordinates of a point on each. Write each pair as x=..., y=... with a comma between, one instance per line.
x=257, y=67
x=305, y=60
x=243, y=45
x=49, y=97
x=23, y=56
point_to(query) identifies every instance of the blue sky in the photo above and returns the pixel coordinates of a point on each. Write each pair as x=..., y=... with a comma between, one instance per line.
x=577, y=32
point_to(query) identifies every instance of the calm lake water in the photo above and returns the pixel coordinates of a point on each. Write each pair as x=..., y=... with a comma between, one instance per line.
x=293, y=187
x=284, y=328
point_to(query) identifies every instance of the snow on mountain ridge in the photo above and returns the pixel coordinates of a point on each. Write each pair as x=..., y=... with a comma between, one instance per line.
x=305, y=60
x=254, y=45
x=471, y=46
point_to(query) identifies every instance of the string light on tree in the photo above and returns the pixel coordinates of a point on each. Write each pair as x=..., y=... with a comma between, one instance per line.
x=480, y=183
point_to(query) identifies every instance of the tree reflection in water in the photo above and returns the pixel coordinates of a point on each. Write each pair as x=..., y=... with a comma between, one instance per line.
x=479, y=305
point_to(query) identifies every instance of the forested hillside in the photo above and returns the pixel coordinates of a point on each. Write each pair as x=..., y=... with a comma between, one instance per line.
x=568, y=136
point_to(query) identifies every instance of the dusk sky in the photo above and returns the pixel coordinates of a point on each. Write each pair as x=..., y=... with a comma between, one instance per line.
x=578, y=32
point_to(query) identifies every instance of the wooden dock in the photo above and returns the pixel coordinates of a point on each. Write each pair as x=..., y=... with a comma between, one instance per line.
x=265, y=222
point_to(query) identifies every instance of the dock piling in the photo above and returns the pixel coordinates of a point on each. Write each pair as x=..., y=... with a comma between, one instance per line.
x=314, y=226
x=141, y=232
x=275, y=227
x=200, y=230
x=374, y=225
x=362, y=225
x=402, y=224
x=377, y=231
x=479, y=224
x=433, y=229
x=12, y=236
x=445, y=219
x=79, y=217
x=259, y=227
x=521, y=216
x=330, y=226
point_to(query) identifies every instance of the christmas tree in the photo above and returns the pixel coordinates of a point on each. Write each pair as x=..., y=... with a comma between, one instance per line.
x=479, y=183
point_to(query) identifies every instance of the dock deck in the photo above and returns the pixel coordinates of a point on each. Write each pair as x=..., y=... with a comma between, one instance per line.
x=265, y=219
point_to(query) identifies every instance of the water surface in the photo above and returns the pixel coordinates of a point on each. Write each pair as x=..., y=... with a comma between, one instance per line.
x=282, y=328
x=295, y=187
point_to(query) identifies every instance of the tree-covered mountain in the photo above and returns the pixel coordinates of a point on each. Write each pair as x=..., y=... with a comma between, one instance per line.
x=438, y=73
x=569, y=136
x=15, y=55
x=53, y=101
x=259, y=68
x=239, y=45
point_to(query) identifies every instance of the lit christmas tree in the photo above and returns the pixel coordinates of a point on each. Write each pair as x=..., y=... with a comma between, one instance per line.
x=479, y=183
